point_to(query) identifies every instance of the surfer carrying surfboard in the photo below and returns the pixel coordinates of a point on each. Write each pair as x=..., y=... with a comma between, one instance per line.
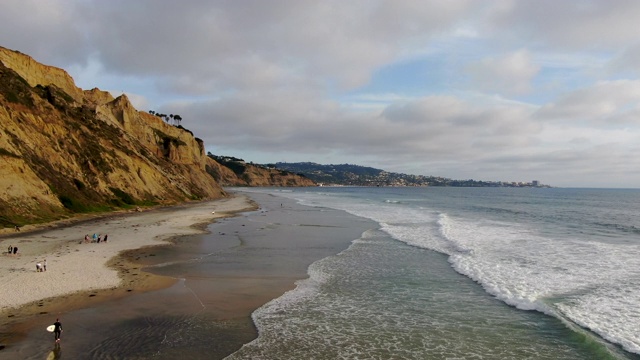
x=57, y=329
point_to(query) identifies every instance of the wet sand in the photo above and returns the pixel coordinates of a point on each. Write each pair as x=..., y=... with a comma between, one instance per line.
x=83, y=274
x=218, y=280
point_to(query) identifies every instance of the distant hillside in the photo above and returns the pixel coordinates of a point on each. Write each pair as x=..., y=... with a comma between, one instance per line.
x=344, y=174
x=237, y=172
x=355, y=175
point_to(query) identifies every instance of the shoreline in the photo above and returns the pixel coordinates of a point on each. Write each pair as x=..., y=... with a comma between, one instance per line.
x=216, y=281
x=83, y=274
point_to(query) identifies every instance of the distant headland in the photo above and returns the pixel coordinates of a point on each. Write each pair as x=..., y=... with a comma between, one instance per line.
x=355, y=175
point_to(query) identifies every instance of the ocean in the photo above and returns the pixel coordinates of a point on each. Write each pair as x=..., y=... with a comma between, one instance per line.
x=465, y=273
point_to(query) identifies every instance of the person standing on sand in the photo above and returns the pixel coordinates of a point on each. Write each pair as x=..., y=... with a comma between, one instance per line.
x=44, y=265
x=57, y=330
x=105, y=237
x=10, y=249
x=15, y=250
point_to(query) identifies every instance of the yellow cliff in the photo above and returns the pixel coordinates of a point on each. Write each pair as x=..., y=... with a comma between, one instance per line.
x=64, y=150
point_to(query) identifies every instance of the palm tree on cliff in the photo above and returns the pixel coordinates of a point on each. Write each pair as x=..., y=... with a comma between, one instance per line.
x=177, y=119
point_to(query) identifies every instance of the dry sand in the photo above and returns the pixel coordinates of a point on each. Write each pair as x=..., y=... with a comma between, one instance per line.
x=74, y=266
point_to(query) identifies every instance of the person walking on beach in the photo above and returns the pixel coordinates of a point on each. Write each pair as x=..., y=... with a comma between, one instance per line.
x=10, y=249
x=105, y=237
x=44, y=265
x=38, y=267
x=57, y=330
x=15, y=250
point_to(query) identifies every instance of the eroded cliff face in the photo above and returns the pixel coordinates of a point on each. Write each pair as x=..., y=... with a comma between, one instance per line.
x=239, y=173
x=64, y=150
x=35, y=73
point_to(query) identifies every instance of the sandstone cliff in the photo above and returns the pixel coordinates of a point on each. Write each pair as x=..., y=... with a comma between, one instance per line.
x=236, y=172
x=64, y=150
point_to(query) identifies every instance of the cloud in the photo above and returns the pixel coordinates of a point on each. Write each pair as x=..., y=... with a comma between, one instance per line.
x=432, y=135
x=500, y=90
x=48, y=30
x=566, y=24
x=434, y=127
x=508, y=74
x=608, y=102
x=627, y=60
x=213, y=42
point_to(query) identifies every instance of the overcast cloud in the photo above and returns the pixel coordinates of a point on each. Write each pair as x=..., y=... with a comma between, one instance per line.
x=510, y=90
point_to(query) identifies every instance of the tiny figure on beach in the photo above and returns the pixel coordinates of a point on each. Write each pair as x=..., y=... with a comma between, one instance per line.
x=86, y=238
x=17, y=228
x=44, y=265
x=105, y=237
x=57, y=330
x=95, y=237
x=10, y=249
x=38, y=267
x=15, y=250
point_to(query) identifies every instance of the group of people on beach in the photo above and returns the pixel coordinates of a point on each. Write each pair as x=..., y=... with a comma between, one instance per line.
x=12, y=250
x=41, y=266
x=96, y=238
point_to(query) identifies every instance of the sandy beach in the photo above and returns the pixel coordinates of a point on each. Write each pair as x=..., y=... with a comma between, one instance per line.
x=193, y=298
x=73, y=265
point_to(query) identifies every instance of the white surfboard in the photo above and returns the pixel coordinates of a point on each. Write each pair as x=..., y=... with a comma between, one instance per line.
x=50, y=328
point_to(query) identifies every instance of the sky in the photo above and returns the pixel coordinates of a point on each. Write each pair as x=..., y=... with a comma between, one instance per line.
x=500, y=90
